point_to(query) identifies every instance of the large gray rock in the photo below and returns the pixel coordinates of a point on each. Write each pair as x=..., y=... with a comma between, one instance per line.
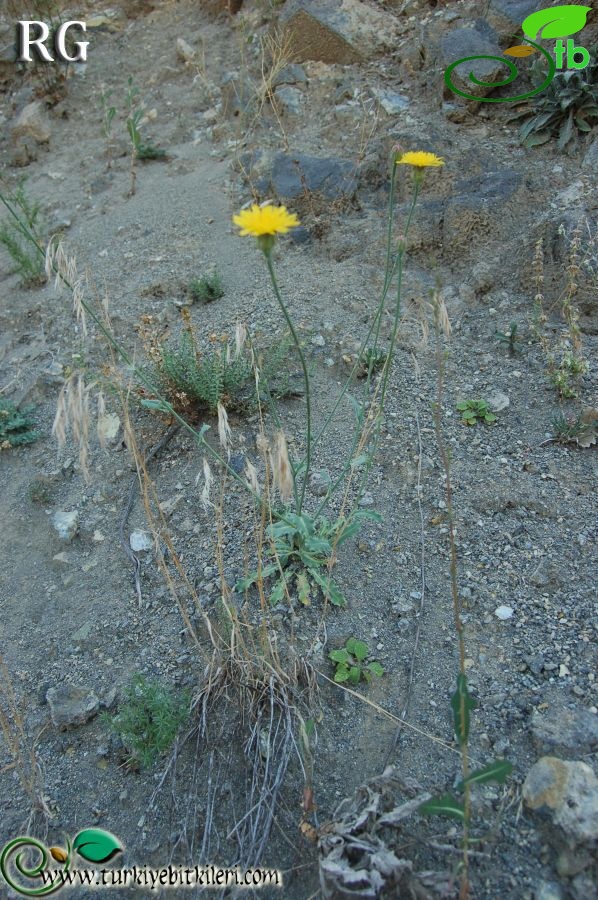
x=295, y=173
x=338, y=31
x=506, y=16
x=474, y=40
x=30, y=130
x=568, y=793
x=71, y=705
x=565, y=731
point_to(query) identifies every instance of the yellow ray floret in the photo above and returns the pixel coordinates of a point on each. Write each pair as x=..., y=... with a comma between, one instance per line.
x=420, y=159
x=261, y=220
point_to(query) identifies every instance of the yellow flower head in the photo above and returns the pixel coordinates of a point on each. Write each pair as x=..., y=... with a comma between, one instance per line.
x=420, y=159
x=265, y=220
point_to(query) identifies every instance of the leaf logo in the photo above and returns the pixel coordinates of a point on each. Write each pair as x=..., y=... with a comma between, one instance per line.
x=557, y=22
x=96, y=845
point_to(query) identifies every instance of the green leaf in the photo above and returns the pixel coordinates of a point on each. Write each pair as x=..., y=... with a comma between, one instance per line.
x=536, y=140
x=96, y=845
x=462, y=703
x=489, y=417
x=341, y=674
x=443, y=806
x=303, y=588
x=244, y=583
x=329, y=589
x=464, y=404
x=357, y=409
x=160, y=405
x=359, y=649
x=339, y=656
x=318, y=545
x=360, y=460
x=354, y=674
x=557, y=22
x=278, y=592
x=495, y=771
x=376, y=669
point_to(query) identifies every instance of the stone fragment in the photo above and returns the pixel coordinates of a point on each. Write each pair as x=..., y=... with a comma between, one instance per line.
x=590, y=160
x=320, y=482
x=497, y=401
x=290, y=99
x=236, y=95
x=293, y=174
x=140, y=540
x=291, y=74
x=568, y=793
x=31, y=129
x=506, y=16
x=66, y=524
x=184, y=51
x=108, y=429
x=391, y=102
x=338, y=31
x=504, y=613
x=71, y=705
x=565, y=731
x=474, y=40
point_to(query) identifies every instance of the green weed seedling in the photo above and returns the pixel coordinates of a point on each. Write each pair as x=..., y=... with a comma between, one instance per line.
x=149, y=718
x=351, y=663
x=14, y=235
x=301, y=549
x=371, y=360
x=207, y=288
x=511, y=338
x=459, y=807
x=16, y=426
x=473, y=411
x=139, y=149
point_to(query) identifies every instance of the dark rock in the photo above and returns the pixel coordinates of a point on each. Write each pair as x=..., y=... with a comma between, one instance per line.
x=565, y=731
x=478, y=39
x=237, y=96
x=506, y=16
x=294, y=174
x=291, y=74
x=479, y=204
x=71, y=705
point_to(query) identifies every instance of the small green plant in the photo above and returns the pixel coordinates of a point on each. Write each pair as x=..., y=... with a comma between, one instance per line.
x=371, y=360
x=13, y=235
x=301, y=548
x=139, y=149
x=16, y=426
x=563, y=378
x=207, y=288
x=40, y=492
x=351, y=663
x=149, y=718
x=580, y=429
x=567, y=107
x=462, y=704
x=473, y=411
x=511, y=338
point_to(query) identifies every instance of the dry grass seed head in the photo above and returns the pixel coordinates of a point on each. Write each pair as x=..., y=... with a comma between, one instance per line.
x=281, y=466
x=72, y=411
x=224, y=432
x=208, y=479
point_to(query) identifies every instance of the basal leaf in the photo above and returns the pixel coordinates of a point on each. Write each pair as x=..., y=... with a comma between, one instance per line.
x=341, y=674
x=359, y=649
x=495, y=771
x=354, y=674
x=329, y=589
x=462, y=703
x=278, y=592
x=339, y=656
x=303, y=589
x=443, y=806
x=376, y=669
x=557, y=22
x=96, y=845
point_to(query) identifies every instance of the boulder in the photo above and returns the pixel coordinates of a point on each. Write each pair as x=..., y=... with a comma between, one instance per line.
x=294, y=174
x=477, y=39
x=71, y=705
x=567, y=792
x=30, y=130
x=338, y=31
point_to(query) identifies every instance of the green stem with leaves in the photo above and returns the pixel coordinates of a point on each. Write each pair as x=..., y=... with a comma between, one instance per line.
x=267, y=250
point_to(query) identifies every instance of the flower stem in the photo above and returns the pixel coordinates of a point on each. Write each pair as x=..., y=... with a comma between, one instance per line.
x=268, y=254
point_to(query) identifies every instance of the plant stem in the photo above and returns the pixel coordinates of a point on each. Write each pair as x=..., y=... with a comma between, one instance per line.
x=268, y=255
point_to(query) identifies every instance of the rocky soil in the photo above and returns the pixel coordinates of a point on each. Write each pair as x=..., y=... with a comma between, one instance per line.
x=302, y=104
